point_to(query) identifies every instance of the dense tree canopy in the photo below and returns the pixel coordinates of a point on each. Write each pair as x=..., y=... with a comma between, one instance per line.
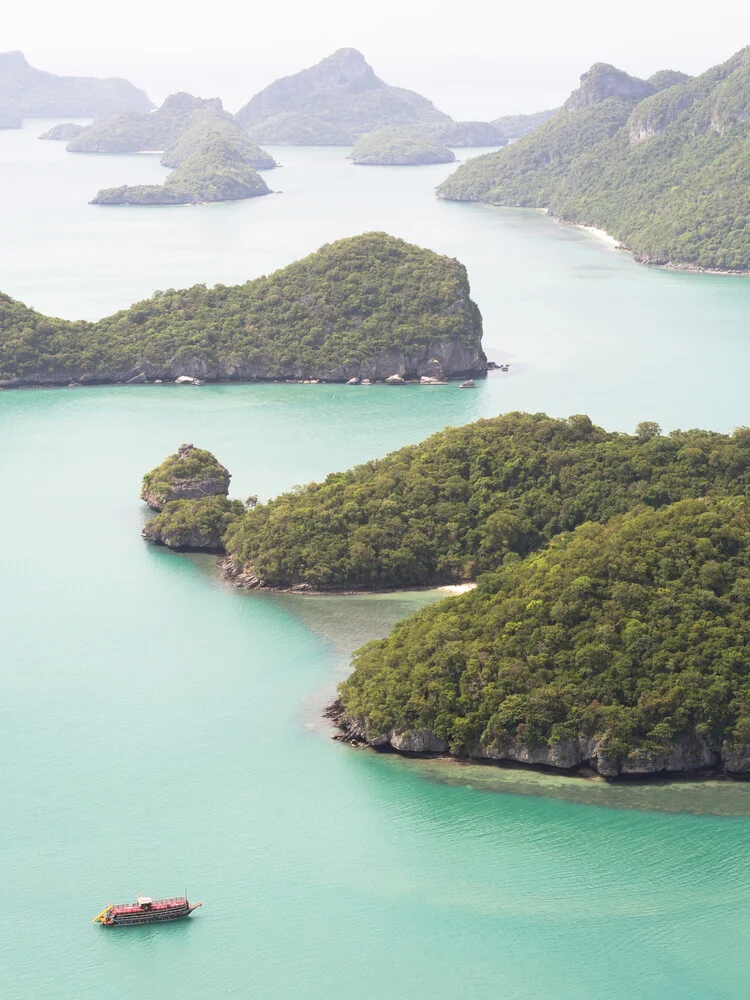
x=460, y=502
x=632, y=631
x=399, y=147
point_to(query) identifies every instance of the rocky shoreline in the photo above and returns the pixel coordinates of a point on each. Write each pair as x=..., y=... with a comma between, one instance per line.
x=691, y=753
x=168, y=378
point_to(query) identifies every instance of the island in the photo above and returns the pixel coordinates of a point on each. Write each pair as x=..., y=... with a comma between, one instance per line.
x=398, y=147
x=365, y=307
x=208, y=131
x=660, y=170
x=342, y=93
x=132, y=132
x=609, y=625
x=514, y=126
x=32, y=93
x=461, y=134
x=191, y=473
x=214, y=161
x=621, y=647
x=64, y=132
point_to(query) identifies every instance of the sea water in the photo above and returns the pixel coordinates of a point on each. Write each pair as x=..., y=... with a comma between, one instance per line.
x=162, y=731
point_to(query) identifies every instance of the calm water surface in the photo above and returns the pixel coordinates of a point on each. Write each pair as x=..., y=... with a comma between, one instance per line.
x=162, y=731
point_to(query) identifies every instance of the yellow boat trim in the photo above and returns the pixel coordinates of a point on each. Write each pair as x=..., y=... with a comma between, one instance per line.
x=99, y=918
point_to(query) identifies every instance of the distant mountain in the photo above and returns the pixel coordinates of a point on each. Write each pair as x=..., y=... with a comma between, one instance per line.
x=665, y=171
x=32, y=93
x=132, y=131
x=343, y=93
x=290, y=128
x=515, y=126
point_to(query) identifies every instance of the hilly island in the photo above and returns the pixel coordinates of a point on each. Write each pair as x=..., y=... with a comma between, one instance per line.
x=661, y=164
x=609, y=626
x=367, y=306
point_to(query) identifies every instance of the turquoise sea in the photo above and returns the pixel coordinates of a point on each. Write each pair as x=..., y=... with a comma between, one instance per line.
x=162, y=731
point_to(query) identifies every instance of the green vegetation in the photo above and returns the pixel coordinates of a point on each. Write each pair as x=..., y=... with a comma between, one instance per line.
x=32, y=93
x=210, y=131
x=64, y=133
x=290, y=128
x=194, y=524
x=628, y=634
x=191, y=473
x=456, y=505
x=666, y=174
x=515, y=126
x=363, y=306
x=398, y=147
x=457, y=134
x=132, y=131
x=213, y=165
x=341, y=93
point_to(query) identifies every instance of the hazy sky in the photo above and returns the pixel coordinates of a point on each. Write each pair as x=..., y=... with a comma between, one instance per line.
x=473, y=59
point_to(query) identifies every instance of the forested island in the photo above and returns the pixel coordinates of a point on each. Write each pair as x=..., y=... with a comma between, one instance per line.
x=660, y=164
x=213, y=161
x=64, y=132
x=334, y=102
x=609, y=627
x=398, y=147
x=32, y=93
x=365, y=307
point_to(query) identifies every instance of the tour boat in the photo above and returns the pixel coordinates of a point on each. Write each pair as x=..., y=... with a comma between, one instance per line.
x=145, y=910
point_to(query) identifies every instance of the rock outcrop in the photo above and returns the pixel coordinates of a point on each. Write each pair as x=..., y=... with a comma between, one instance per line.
x=603, y=81
x=32, y=93
x=190, y=474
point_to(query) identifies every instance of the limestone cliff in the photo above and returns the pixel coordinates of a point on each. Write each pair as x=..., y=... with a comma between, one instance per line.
x=189, y=474
x=689, y=753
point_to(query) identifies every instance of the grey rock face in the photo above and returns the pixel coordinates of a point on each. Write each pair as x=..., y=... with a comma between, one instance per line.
x=690, y=752
x=212, y=482
x=603, y=81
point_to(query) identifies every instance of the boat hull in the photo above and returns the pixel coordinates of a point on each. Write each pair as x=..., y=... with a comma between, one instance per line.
x=130, y=919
